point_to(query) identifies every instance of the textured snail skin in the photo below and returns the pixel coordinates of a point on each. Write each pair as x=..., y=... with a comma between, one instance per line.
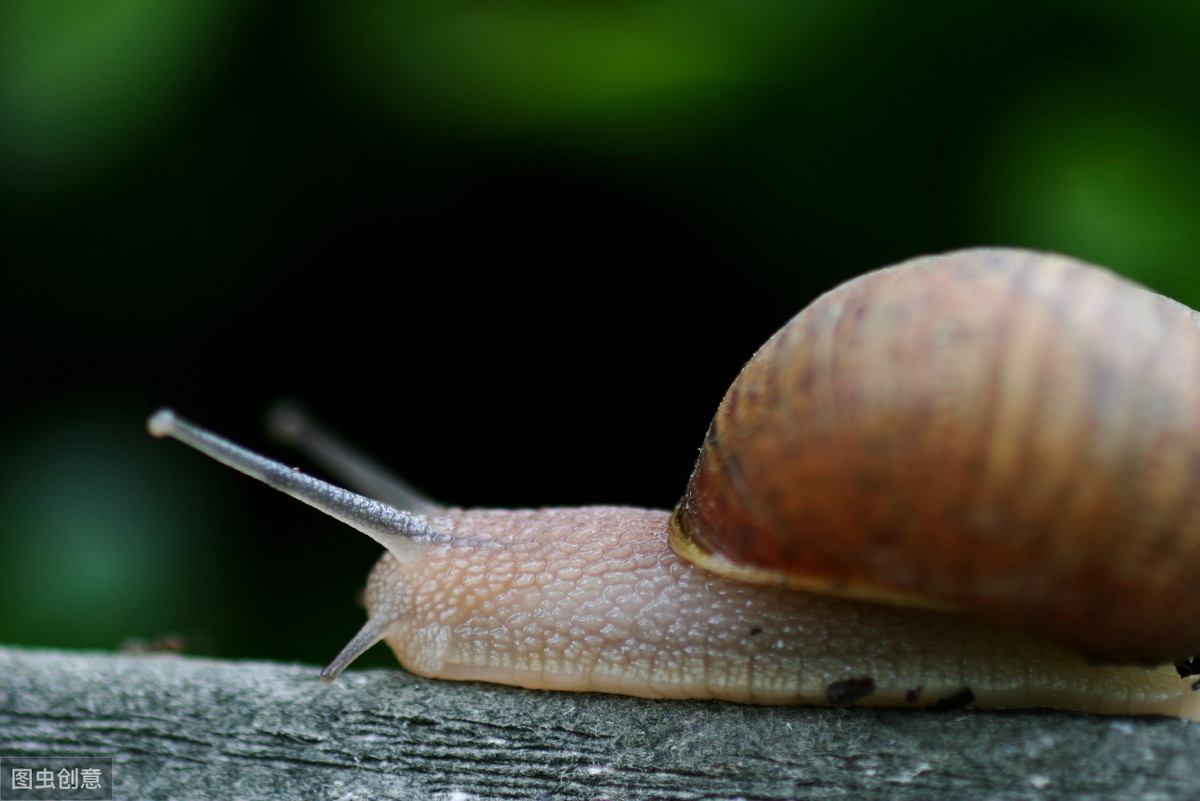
x=593, y=599
x=1002, y=432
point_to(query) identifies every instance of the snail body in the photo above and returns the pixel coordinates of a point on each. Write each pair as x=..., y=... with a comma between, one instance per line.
x=596, y=599
x=591, y=599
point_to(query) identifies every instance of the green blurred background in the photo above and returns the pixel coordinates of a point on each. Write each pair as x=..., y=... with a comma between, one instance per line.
x=519, y=249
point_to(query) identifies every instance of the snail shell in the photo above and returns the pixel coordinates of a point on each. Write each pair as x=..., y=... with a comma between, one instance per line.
x=1011, y=434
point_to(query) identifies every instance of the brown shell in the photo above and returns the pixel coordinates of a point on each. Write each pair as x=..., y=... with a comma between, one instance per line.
x=1009, y=433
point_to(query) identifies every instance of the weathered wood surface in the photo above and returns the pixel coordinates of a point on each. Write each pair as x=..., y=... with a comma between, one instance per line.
x=188, y=728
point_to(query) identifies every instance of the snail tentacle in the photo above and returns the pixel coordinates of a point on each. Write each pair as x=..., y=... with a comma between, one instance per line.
x=291, y=424
x=373, y=631
x=392, y=528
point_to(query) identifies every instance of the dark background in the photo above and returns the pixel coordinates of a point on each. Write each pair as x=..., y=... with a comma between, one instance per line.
x=517, y=249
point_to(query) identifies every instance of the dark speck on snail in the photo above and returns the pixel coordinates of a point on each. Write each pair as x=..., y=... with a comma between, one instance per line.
x=958, y=700
x=849, y=691
x=1188, y=667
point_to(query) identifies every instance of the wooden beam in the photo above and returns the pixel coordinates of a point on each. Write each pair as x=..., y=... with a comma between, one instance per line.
x=184, y=727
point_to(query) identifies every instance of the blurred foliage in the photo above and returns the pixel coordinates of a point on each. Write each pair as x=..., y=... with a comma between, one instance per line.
x=84, y=83
x=519, y=249
x=623, y=79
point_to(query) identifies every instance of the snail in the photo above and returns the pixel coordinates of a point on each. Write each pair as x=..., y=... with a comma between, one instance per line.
x=968, y=479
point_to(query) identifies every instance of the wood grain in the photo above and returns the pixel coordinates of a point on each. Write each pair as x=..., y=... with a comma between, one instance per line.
x=190, y=728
